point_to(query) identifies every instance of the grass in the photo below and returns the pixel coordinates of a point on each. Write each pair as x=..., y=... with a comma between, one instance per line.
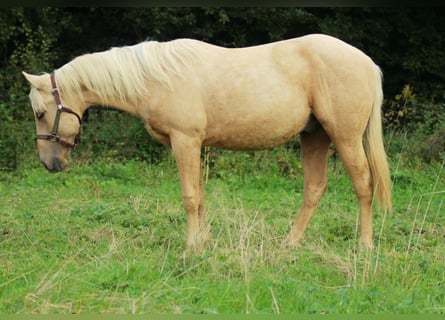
x=109, y=237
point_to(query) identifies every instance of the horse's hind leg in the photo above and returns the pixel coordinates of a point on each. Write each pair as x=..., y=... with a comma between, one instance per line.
x=354, y=159
x=315, y=146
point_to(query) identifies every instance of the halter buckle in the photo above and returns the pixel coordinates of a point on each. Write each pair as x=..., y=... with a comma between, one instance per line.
x=53, y=138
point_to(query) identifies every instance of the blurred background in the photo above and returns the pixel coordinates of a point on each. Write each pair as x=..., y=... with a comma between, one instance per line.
x=407, y=43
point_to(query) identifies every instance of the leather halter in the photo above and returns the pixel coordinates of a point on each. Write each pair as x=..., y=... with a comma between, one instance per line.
x=53, y=136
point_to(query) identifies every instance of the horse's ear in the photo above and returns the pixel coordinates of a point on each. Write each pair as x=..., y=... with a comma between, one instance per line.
x=35, y=81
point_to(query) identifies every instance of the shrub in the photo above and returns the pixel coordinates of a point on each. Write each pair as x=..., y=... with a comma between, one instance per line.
x=411, y=113
x=431, y=148
x=117, y=135
x=16, y=143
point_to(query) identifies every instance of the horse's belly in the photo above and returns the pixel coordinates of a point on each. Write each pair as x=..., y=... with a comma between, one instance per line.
x=255, y=134
x=251, y=143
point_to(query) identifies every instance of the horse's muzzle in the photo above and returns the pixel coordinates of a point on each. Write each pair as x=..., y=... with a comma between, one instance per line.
x=55, y=165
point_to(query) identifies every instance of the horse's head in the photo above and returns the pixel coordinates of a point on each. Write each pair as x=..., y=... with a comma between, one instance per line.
x=57, y=126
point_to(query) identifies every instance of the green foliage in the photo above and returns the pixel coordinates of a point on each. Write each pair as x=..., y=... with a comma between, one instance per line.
x=16, y=143
x=417, y=127
x=232, y=27
x=27, y=43
x=243, y=167
x=418, y=148
x=433, y=148
x=400, y=109
x=413, y=114
x=116, y=135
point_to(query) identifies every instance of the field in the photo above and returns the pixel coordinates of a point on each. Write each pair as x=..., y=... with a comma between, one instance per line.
x=108, y=237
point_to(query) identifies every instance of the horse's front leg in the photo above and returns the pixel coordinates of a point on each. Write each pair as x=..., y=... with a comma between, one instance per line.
x=204, y=227
x=187, y=152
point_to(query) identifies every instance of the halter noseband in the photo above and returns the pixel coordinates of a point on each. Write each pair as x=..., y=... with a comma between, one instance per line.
x=53, y=136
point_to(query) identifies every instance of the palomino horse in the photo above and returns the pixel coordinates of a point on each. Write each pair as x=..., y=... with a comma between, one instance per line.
x=192, y=94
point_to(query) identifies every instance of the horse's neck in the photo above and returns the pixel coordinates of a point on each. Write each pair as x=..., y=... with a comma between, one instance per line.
x=94, y=100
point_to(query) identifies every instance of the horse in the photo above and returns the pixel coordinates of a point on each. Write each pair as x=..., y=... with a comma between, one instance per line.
x=191, y=94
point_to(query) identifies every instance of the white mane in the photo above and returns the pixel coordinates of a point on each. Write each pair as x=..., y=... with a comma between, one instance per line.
x=122, y=73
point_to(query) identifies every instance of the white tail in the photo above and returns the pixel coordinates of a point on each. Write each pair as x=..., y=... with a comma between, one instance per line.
x=375, y=150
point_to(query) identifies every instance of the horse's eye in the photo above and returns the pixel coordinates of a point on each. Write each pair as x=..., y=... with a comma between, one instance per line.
x=39, y=115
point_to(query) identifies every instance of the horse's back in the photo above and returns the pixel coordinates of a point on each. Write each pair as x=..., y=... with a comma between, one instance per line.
x=299, y=60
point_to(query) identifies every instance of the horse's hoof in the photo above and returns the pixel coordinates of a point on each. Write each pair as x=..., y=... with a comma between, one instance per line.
x=291, y=243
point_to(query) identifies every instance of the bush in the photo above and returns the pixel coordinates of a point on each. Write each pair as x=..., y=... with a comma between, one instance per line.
x=16, y=143
x=412, y=114
x=431, y=148
x=115, y=134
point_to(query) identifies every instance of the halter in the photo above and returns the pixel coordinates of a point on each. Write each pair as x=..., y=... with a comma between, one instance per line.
x=54, y=137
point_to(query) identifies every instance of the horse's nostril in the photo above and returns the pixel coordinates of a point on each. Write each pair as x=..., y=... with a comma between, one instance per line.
x=57, y=165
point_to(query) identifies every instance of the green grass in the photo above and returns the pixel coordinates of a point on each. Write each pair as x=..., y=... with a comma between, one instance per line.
x=109, y=238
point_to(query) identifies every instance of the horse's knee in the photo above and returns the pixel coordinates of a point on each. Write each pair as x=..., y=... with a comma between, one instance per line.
x=190, y=203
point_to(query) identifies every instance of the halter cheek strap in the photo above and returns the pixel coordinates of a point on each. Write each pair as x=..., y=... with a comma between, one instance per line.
x=53, y=136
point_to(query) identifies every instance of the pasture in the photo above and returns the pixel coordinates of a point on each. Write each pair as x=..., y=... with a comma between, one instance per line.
x=108, y=237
